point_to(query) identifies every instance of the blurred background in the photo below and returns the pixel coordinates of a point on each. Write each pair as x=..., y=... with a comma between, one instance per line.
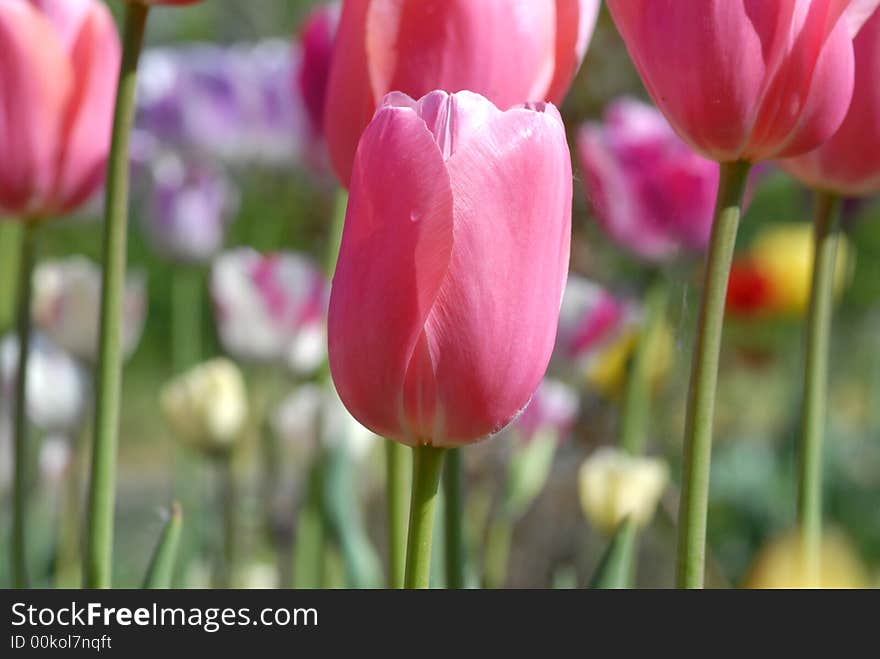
x=237, y=143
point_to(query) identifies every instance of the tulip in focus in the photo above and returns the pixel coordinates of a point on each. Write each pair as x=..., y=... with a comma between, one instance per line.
x=650, y=193
x=445, y=300
x=57, y=87
x=781, y=564
x=764, y=80
x=773, y=278
x=615, y=485
x=510, y=51
x=849, y=162
x=191, y=208
x=206, y=407
x=271, y=309
x=66, y=304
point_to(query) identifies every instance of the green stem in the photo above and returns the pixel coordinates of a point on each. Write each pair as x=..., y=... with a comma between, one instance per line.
x=108, y=383
x=397, y=475
x=308, y=556
x=453, y=490
x=704, y=377
x=616, y=567
x=497, y=553
x=186, y=317
x=161, y=569
x=229, y=501
x=427, y=465
x=818, y=339
x=637, y=396
x=11, y=235
x=68, y=559
x=334, y=237
x=21, y=469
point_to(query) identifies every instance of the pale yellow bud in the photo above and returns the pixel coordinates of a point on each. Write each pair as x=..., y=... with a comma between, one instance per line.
x=615, y=485
x=207, y=406
x=606, y=370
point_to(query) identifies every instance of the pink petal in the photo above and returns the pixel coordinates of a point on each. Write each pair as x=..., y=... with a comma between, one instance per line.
x=575, y=22
x=395, y=252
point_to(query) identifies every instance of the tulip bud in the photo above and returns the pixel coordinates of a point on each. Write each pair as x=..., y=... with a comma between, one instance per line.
x=781, y=564
x=206, y=407
x=66, y=304
x=445, y=299
x=57, y=87
x=615, y=485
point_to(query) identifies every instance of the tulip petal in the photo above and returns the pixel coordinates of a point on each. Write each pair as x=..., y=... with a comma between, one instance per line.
x=575, y=22
x=35, y=82
x=95, y=55
x=857, y=14
x=395, y=253
x=492, y=328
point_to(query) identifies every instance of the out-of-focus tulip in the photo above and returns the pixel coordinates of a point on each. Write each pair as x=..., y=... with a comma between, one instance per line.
x=223, y=103
x=445, y=300
x=764, y=79
x=313, y=415
x=598, y=334
x=192, y=205
x=774, y=276
x=271, y=308
x=67, y=300
x=849, y=162
x=511, y=51
x=206, y=407
x=781, y=564
x=553, y=410
x=57, y=87
x=615, y=485
x=650, y=193
x=316, y=37
x=57, y=387
x=55, y=458
x=170, y=3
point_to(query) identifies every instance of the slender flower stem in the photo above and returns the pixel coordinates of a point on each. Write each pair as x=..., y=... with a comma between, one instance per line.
x=229, y=501
x=637, y=397
x=616, y=567
x=453, y=490
x=818, y=338
x=20, y=486
x=309, y=552
x=108, y=384
x=496, y=555
x=11, y=234
x=397, y=475
x=186, y=317
x=427, y=466
x=704, y=377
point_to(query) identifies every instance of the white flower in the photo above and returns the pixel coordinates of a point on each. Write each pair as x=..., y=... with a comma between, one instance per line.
x=207, y=405
x=615, y=485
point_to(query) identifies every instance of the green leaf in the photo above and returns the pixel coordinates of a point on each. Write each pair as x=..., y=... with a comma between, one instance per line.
x=616, y=567
x=161, y=567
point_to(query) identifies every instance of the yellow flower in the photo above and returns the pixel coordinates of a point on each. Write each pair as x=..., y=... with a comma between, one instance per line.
x=615, y=485
x=207, y=406
x=606, y=370
x=780, y=564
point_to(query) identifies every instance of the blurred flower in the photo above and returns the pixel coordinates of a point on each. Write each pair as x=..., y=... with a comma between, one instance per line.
x=773, y=277
x=206, y=406
x=55, y=458
x=271, y=308
x=316, y=37
x=66, y=305
x=57, y=386
x=598, y=334
x=298, y=417
x=510, y=51
x=58, y=77
x=223, y=103
x=780, y=564
x=166, y=2
x=441, y=323
x=615, y=485
x=191, y=207
x=552, y=410
x=650, y=193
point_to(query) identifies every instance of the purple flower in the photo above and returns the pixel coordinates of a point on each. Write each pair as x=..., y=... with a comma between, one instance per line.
x=650, y=193
x=190, y=209
x=271, y=308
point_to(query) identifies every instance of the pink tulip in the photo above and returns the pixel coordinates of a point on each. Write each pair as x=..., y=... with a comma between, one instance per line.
x=316, y=39
x=58, y=67
x=849, y=163
x=649, y=191
x=170, y=3
x=444, y=305
x=511, y=51
x=746, y=80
